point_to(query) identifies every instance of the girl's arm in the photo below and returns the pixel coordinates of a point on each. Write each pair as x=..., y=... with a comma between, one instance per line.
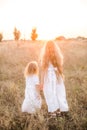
x=38, y=88
x=42, y=78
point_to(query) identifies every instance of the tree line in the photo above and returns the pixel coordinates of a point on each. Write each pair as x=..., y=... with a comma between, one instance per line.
x=17, y=34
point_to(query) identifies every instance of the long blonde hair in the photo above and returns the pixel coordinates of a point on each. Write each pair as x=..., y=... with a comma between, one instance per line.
x=31, y=68
x=51, y=54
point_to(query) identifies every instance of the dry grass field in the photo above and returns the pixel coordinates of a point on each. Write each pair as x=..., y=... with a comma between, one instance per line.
x=13, y=58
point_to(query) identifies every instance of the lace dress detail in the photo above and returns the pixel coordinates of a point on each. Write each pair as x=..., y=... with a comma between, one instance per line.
x=54, y=91
x=32, y=100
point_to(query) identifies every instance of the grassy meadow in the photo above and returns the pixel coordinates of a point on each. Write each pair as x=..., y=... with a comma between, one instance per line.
x=14, y=55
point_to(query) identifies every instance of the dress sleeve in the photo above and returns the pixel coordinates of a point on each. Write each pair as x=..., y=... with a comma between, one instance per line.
x=37, y=80
x=27, y=89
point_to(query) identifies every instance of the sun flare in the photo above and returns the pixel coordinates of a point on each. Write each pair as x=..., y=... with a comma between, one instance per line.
x=51, y=18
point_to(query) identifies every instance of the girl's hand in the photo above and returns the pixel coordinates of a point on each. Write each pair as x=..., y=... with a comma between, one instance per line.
x=41, y=86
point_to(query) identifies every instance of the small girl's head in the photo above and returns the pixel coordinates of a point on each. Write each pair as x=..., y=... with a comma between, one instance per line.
x=31, y=68
x=52, y=54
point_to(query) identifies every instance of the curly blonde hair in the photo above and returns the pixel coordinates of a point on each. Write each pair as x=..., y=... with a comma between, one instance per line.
x=31, y=68
x=51, y=54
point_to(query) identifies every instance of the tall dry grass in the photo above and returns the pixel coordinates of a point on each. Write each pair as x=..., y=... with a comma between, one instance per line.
x=13, y=58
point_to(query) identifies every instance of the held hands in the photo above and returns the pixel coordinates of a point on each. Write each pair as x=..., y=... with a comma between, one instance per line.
x=39, y=87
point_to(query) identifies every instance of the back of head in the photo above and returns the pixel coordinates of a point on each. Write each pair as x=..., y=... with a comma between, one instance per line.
x=31, y=68
x=53, y=55
x=50, y=48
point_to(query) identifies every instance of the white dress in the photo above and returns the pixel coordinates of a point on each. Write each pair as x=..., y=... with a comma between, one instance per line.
x=32, y=100
x=54, y=91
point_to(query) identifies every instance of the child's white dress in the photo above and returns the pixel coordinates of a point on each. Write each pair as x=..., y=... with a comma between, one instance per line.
x=32, y=100
x=54, y=91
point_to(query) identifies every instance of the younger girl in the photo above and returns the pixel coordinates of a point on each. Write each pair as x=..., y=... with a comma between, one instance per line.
x=52, y=78
x=32, y=100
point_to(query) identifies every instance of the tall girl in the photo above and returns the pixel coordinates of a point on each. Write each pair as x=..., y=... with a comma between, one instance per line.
x=52, y=78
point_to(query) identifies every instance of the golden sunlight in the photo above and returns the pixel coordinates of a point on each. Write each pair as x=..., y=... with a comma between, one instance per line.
x=51, y=17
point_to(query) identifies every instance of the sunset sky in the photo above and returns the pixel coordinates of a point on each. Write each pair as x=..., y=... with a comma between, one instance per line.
x=52, y=18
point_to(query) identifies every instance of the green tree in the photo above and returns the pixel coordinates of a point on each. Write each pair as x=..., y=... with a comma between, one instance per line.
x=17, y=34
x=34, y=35
x=1, y=37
